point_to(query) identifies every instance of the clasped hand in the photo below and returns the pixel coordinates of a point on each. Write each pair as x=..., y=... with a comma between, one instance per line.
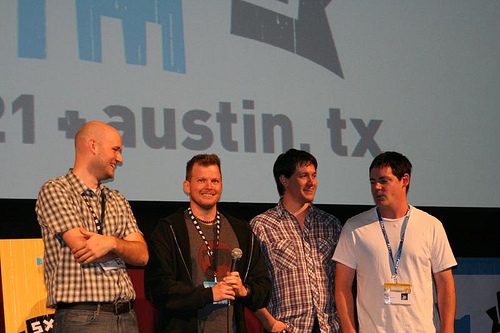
x=93, y=248
x=229, y=288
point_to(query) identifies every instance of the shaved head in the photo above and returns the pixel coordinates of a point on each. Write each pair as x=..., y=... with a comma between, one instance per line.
x=94, y=130
x=97, y=151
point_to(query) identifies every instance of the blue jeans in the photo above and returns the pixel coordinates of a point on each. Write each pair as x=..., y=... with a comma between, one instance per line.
x=85, y=321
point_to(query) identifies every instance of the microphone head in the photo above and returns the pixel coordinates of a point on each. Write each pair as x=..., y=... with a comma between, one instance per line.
x=236, y=253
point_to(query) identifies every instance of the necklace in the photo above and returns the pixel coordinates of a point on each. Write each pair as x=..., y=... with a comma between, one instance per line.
x=203, y=221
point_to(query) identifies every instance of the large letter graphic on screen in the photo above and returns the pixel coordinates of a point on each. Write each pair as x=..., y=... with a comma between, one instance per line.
x=134, y=15
x=31, y=29
x=307, y=35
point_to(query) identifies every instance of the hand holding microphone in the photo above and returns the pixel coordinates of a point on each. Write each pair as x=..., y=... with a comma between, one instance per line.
x=233, y=277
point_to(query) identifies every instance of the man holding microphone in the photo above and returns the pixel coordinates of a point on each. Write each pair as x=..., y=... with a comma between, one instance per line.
x=190, y=278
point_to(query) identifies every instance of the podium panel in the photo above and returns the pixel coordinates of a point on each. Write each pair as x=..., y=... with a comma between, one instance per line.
x=23, y=288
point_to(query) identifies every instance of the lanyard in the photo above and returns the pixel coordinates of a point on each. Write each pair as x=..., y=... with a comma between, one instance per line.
x=212, y=254
x=98, y=222
x=395, y=263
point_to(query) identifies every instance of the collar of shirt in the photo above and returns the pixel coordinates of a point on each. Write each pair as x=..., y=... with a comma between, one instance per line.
x=283, y=211
x=80, y=187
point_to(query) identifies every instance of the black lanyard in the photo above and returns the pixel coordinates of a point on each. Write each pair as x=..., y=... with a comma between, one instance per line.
x=98, y=222
x=212, y=254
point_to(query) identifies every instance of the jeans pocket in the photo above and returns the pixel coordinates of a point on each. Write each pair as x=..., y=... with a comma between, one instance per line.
x=73, y=321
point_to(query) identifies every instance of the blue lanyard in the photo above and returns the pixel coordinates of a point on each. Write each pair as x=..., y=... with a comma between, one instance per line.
x=395, y=264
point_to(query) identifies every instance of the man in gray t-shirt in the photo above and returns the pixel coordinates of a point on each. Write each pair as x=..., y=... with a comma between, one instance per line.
x=190, y=277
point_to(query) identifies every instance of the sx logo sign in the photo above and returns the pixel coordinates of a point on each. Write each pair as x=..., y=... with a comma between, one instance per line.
x=297, y=26
x=40, y=324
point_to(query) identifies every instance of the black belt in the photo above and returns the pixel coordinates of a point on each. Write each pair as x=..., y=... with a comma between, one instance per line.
x=116, y=308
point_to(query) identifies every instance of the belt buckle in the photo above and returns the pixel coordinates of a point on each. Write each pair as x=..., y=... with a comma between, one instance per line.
x=119, y=308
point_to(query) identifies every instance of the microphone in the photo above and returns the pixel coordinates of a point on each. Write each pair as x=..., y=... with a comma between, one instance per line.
x=236, y=254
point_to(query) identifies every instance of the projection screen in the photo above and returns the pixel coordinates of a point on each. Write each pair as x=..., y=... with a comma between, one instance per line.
x=248, y=80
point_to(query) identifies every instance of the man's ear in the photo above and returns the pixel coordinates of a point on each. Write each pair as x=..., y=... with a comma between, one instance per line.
x=92, y=146
x=406, y=180
x=186, y=187
x=284, y=181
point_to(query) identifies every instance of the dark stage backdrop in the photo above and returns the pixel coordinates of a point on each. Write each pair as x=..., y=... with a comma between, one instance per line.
x=472, y=232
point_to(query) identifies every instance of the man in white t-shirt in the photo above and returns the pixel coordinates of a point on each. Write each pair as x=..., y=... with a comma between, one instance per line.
x=394, y=250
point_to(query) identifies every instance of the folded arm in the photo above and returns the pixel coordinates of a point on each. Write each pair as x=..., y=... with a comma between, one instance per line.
x=89, y=247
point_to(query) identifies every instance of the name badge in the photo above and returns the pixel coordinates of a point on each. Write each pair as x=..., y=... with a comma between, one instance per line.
x=397, y=293
x=210, y=284
x=112, y=265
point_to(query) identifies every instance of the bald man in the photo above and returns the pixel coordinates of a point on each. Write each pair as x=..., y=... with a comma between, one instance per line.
x=89, y=234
